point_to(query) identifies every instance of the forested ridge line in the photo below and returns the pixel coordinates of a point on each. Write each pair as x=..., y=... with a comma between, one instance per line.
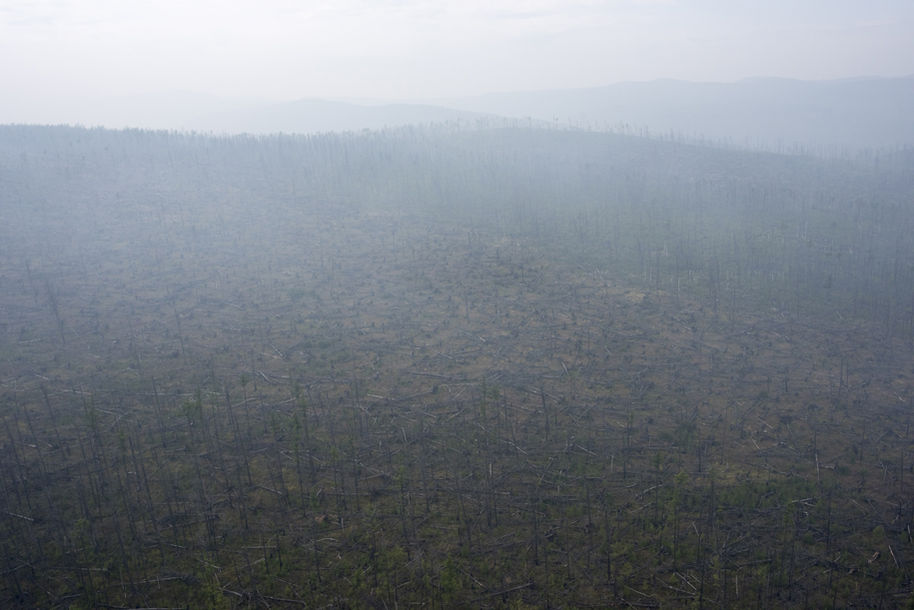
x=742, y=230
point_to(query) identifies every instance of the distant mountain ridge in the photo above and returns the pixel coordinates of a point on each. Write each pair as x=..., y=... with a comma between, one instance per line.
x=318, y=115
x=775, y=114
x=189, y=111
x=771, y=113
x=779, y=114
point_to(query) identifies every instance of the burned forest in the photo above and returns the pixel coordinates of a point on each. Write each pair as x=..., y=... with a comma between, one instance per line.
x=497, y=366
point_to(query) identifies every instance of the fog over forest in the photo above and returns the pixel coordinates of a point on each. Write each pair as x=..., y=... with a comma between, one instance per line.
x=403, y=305
x=498, y=363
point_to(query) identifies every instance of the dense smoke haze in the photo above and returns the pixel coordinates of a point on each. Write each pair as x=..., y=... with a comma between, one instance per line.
x=509, y=305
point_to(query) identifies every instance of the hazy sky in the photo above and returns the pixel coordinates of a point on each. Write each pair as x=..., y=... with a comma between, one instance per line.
x=55, y=52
